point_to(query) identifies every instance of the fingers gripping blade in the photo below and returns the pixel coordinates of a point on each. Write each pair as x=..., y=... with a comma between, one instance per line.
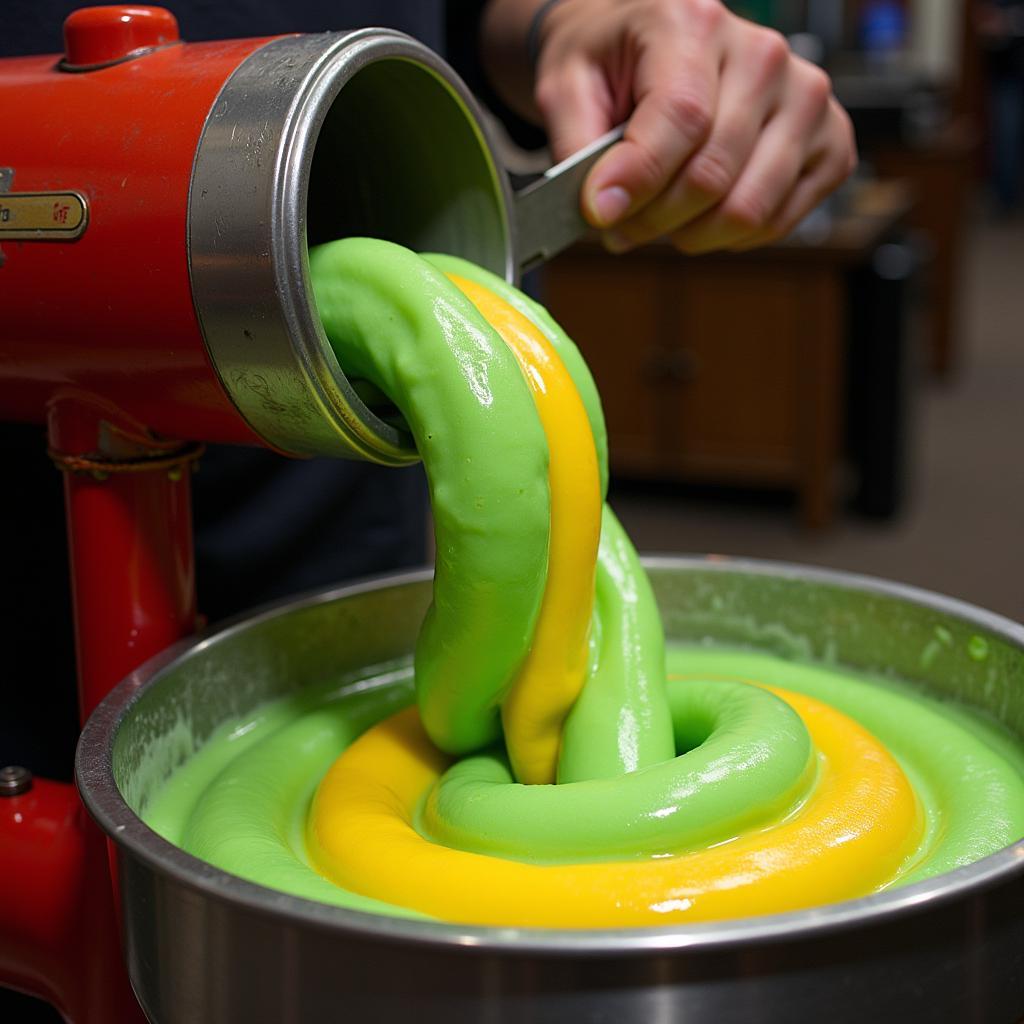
x=548, y=215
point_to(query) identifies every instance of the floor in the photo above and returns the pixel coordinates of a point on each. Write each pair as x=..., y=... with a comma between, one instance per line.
x=961, y=530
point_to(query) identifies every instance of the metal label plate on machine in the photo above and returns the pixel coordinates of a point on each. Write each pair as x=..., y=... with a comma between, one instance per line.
x=42, y=216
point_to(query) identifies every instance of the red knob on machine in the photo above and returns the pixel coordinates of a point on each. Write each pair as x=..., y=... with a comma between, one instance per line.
x=98, y=36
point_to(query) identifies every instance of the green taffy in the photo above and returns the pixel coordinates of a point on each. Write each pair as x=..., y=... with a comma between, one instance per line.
x=361, y=285
x=745, y=761
x=400, y=325
x=566, y=348
x=621, y=720
x=968, y=775
x=240, y=802
x=397, y=322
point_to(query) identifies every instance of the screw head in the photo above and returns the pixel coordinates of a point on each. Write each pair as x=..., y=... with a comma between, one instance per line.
x=15, y=780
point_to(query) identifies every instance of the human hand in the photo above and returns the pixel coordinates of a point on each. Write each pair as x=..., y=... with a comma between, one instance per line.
x=731, y=139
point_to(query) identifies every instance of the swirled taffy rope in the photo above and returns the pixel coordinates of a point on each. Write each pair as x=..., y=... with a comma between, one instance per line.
x=364, y=815
x=857, y=827
x=554, y=668
x=700, y=799
x=241, y=801
x=620, y=722
x=399, y=323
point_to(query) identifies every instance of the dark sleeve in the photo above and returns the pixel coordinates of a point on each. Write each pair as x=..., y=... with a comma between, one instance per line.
x=34, y=26
x=462, y=31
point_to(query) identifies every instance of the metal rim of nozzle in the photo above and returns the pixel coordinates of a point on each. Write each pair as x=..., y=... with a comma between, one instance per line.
x=248, y=261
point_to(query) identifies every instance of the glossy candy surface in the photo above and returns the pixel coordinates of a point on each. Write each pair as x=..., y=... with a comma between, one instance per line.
x=242, y=801
x=729, y=783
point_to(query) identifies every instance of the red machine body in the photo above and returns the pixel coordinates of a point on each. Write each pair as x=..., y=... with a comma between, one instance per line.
x=104, y=346
x=153, y=206
x=110, y=313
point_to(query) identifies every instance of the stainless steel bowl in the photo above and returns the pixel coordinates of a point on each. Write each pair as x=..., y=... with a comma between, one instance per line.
x=203, y=945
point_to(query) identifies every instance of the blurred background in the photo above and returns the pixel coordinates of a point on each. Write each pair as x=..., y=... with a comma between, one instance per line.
x=854, y=396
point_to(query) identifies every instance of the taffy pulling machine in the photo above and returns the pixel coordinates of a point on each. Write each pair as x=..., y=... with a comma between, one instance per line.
x=155, y=202
x=154, y=198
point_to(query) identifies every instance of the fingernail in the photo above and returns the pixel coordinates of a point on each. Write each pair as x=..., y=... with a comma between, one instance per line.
x=616, y=241
x=610, y=204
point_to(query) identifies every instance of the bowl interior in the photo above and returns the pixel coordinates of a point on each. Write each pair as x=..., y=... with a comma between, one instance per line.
x=956, y=651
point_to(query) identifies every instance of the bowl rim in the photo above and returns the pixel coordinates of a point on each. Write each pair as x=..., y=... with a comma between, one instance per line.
x=103, y=800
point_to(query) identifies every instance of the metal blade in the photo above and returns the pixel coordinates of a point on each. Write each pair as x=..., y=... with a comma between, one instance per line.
x=547, y=211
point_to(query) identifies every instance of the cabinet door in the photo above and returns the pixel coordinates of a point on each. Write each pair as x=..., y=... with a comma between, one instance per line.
x=615, y=311
x=736, y=415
